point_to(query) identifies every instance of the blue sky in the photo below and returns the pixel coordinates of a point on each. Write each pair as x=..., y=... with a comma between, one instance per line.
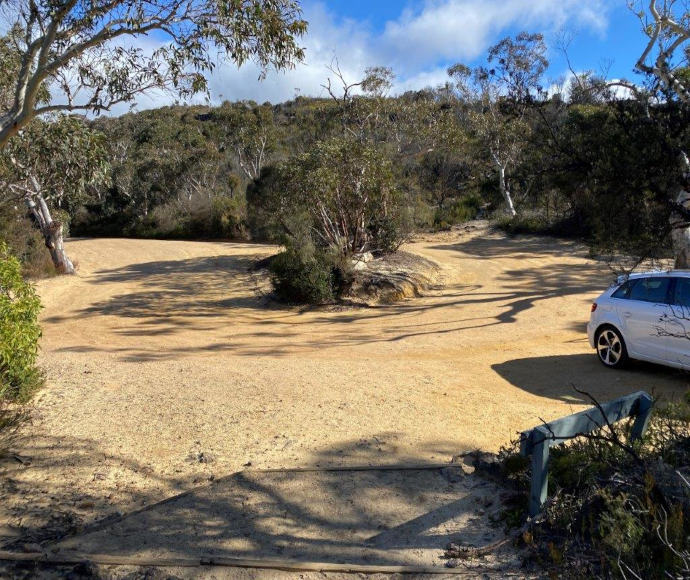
x=419, y=39
x=615, y=43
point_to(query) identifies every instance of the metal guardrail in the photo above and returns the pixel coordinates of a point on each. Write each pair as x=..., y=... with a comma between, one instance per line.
x=537, y=441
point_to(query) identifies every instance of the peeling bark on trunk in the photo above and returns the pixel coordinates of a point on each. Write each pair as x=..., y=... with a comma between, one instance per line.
x=52, y=233
x=504, y=191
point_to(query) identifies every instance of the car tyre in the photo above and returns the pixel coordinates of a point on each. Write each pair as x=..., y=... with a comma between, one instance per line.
x=611, y=350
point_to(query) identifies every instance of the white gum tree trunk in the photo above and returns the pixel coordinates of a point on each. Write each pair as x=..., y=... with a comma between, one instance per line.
x=51, y=231
x=505, y=192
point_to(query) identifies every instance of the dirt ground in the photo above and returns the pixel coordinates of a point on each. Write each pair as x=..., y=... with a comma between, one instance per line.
x=168, y=368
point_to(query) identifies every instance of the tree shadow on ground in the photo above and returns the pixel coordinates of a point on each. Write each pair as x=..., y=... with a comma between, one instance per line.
x=178, y=303
x=497, y=244
x=57, y=485
x=218, y=302
x=175, y=290
x=382, y=517
x=555, y=376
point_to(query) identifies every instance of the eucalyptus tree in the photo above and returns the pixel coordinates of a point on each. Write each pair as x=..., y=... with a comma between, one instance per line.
x=250, y=132
x=90, y=51
x=363, y=106
x=52, y=163
x=666, y=25
x=665, y=56
x=342, y=187
x=497, y=98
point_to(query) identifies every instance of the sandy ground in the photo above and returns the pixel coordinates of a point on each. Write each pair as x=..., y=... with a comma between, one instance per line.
x=374, y=519
x=167, y=369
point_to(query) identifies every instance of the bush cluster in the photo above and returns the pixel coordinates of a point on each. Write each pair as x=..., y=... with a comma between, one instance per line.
x=307, y=274
x=20, y=377
x=201, y=216
x=539, y=223
x=616, y=508
x=458, y=211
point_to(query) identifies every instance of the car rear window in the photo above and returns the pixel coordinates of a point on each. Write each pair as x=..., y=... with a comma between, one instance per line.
x=681, y=295
x=650, y=289
x=624, y=290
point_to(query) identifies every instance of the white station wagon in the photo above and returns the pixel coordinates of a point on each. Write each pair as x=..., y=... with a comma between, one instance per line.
x=644, y=316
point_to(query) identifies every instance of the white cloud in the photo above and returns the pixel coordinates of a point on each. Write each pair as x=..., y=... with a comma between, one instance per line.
x=418, y=45
x=463, y=29
x=428, y=78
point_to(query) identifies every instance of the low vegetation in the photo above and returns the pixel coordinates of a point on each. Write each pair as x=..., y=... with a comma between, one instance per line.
x=616, y=508
x=20, y=377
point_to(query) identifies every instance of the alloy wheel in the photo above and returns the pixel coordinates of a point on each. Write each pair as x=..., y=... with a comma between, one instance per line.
x=609, y=347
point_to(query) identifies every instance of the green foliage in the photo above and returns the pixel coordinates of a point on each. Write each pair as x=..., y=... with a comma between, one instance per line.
x=60, y=159
x=620, y=530
x=538, y=223
x=10, y=65
x=306, y=274
x=228, y=217
x=19, y=332
x=264, y=218
x=26, y=243
x=616, y=506
x=347, y=190
x=52, y=163
x=198, y=217
x=458, y=211
x=621, y=170
x=499, y=98
x=174, y=174
x=85, y=37
x=249, y=131
x=326, y=205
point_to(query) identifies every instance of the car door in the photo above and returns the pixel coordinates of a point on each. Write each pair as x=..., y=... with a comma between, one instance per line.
x=643, y=314
x=677, y=324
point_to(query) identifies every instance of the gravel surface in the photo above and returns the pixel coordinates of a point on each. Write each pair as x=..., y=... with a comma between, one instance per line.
x=168, y=367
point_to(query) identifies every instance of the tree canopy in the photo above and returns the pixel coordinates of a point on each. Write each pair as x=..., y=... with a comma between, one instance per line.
x=86, y=51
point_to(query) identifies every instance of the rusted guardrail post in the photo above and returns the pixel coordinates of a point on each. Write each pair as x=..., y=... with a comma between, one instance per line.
x=537, y=441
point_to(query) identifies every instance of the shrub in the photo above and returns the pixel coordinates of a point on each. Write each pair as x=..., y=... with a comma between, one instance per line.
x=200, y=216
x=228, y=218
x=458, y=211
x=19, y=335
x=345, y=187
x=19, y=331
x=389, y=232
x=263, y=211
x=26, y=243
x=306, y=274
x=617, y=508
x=537, y=223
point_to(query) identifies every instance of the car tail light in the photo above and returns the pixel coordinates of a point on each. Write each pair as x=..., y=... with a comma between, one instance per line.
x=594, y=306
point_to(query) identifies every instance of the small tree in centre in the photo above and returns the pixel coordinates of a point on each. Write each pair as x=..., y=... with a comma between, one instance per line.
x=343, y=188
x=327, y=205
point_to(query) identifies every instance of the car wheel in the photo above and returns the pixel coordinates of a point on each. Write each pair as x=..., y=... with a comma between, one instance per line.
x=611, y=348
